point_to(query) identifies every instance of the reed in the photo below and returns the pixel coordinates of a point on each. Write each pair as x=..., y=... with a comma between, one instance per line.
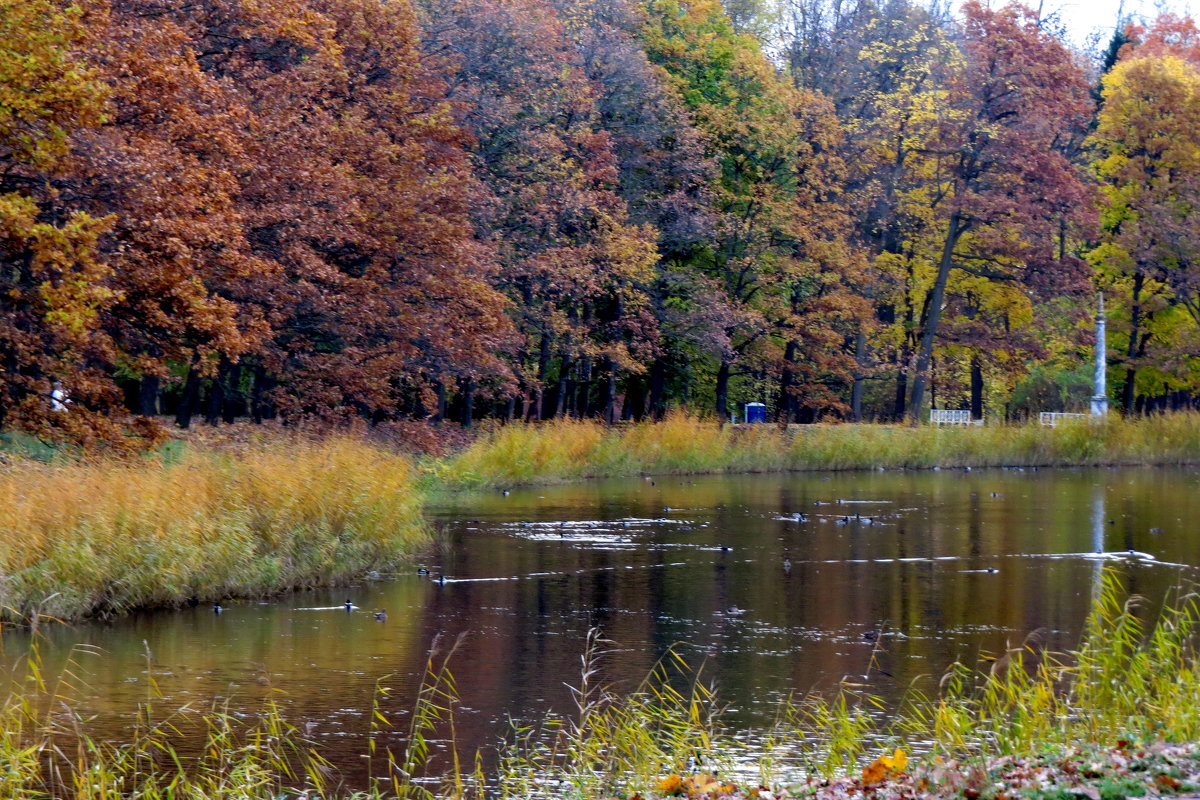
x=683, y=443
x=1127, y=681
x=80, y=538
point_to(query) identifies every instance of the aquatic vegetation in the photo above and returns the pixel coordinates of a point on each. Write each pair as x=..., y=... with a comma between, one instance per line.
x=86, y=538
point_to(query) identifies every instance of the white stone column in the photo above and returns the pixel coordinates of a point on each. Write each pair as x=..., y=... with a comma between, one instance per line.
x=1100, y=396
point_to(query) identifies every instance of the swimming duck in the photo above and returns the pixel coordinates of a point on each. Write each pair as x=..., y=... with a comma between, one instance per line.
x=348, y=605
x=217, y=608
x=422, y=571
x=381, y=615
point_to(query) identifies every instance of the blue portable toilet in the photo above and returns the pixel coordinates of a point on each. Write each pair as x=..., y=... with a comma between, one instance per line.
x=756, y=412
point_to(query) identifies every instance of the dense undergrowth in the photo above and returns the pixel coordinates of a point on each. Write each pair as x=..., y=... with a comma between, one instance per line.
x=100, y=537
x=1118, y=716
x=257, y=512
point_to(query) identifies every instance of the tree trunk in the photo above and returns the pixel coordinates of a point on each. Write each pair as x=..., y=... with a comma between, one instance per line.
x=543, y=367
x=787, y=381
x=976, y=388
x=147, y=400
x=215, y=400
x=1135, y=325
x=933, y=382
x=856, y=391
x=187, y=403
x=440, y=389
x=655, y=407
x=608, y=399
x=259, y=409
x=633, y=404
x=468, y=390
x=560, y=401
x=234, y=405
x=723, y=392
x=932, y=317
x=583, y=388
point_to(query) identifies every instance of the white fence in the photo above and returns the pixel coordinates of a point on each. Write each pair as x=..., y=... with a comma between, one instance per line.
x=1052, y=418
x=951, y=416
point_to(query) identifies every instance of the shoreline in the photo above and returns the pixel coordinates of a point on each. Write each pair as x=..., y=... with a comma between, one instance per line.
x=271, y=513
x=563, y=451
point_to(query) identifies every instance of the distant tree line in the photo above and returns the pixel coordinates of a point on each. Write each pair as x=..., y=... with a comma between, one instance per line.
x=527, y=209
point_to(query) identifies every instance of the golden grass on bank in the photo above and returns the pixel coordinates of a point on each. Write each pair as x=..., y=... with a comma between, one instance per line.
x=682, y=443
x=79, y=539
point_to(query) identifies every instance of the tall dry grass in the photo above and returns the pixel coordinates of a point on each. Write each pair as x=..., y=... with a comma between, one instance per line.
x=86, y=538
x=570, y=449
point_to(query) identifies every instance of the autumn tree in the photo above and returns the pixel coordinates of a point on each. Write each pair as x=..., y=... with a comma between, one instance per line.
x=574, y=264
x=827, y=319
x=1147, y=146
x=881, y=67
x=999, y=198
x=53, y=284
x=357, y=192
x=744, y=114
x=663, y=175
x=165, y=165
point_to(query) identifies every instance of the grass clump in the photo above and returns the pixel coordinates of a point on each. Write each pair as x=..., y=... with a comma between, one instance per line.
x=81, y=539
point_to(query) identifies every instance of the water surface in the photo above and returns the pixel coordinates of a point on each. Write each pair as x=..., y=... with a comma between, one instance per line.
x=777, y=584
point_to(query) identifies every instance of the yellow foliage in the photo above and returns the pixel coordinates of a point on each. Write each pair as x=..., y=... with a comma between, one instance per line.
x=885, y=767
x=671, y=785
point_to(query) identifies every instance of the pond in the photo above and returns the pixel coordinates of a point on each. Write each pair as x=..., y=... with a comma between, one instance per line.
x=776, y=584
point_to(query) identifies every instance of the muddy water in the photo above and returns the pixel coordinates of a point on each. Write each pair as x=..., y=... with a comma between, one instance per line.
x=777, y=584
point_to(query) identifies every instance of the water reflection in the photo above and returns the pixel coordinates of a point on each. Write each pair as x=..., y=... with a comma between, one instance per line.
x=779, y=584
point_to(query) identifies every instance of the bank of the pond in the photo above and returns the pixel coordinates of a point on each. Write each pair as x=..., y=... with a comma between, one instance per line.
x=570, y=450
x=270, y=512
x=80, y=539
x=1117, y=717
